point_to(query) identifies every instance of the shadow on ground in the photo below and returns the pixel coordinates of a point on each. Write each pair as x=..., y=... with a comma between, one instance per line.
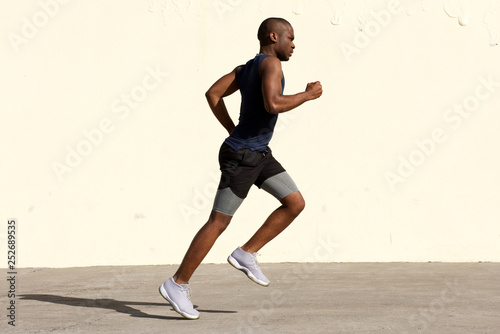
x=110, y=304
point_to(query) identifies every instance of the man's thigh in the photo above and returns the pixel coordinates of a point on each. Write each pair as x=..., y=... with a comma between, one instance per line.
x=275, y=179
x=239, y=171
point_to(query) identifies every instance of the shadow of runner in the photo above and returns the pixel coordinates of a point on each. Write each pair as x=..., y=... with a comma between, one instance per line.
x=110, y=304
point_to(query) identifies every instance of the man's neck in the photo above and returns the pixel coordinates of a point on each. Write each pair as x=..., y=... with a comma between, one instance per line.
x=267, y=51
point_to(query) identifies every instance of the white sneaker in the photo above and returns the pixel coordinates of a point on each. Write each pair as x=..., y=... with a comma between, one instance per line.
x=248, y=264
x=178, y=296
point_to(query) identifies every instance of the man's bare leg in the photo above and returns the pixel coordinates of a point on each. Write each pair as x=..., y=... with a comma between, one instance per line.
x=201, y=245
x=292, y=206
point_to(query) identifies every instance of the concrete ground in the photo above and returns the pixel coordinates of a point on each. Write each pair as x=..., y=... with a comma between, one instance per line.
x=302, y=298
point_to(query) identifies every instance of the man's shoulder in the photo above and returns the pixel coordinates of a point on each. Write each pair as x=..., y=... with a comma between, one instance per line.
x=270, y=63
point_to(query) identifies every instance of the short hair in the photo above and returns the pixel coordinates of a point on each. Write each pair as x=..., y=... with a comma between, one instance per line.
x=270, y=25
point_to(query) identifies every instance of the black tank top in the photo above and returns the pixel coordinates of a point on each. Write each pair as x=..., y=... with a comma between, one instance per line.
x=256, y=125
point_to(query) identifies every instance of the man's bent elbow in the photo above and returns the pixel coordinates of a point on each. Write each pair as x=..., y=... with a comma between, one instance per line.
x=208, y=93
x=272, y=109
x=211, y=97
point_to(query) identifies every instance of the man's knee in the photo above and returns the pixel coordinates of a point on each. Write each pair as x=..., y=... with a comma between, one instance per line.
x=300, y=205
x=219, y=220
x=295, y=203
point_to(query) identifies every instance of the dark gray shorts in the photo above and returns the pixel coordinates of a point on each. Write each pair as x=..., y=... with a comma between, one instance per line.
x=243, y=168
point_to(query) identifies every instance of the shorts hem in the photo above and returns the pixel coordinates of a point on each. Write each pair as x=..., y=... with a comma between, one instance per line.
x=223, y=212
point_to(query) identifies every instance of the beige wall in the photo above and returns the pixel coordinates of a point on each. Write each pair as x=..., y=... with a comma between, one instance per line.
x=109, y=150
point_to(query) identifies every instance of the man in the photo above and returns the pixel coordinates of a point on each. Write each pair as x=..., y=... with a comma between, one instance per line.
x=245, y=159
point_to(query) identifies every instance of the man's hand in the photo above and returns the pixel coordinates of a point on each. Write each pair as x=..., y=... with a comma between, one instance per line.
x=274, y=102
x=314, y=90
x=225, y=86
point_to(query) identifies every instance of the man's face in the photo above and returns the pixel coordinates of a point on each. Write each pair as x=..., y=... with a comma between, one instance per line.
x=285, y=44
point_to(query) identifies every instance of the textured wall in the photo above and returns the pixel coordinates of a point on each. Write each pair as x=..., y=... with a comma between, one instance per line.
x=109, y=150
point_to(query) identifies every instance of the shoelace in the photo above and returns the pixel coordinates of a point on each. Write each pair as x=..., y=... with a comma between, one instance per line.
x=255, y=260
x=187, y=292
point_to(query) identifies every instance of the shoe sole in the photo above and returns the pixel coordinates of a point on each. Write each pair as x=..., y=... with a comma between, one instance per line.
x=232, y=261
x=165, y=295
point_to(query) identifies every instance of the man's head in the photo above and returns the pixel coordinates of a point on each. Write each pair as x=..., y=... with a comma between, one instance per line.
x=276, y=35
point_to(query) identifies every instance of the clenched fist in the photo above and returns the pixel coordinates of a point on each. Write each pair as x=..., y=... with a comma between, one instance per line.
x=314, y=89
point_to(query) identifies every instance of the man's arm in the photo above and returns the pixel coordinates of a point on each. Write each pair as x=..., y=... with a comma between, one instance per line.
x=274, y=101
x=223, y=87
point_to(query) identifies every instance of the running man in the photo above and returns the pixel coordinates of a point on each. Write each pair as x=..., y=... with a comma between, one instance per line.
x=246, y=159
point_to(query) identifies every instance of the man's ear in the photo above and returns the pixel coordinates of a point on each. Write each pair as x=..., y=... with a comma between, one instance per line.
x=273, y=37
